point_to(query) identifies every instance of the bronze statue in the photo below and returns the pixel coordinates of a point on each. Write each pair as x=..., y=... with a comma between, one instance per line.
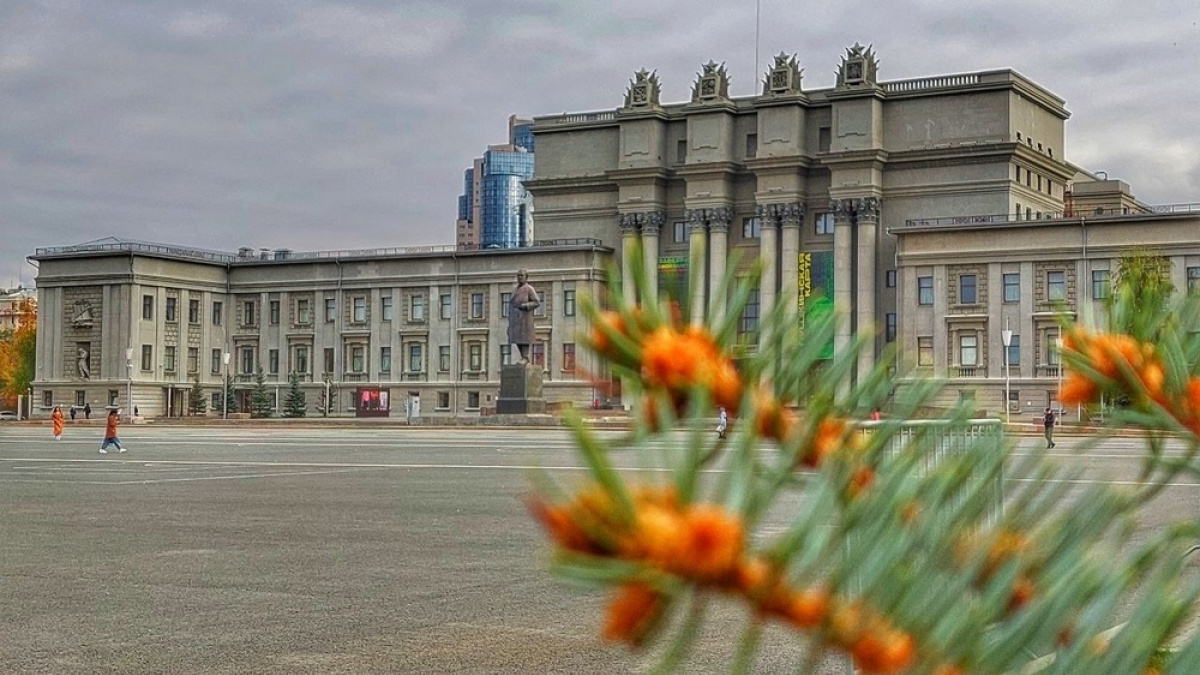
x=521, y=305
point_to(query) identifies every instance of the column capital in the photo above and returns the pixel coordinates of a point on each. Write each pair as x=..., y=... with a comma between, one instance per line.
x=842, y=209
x=653, y=222
x=628, y=223
x=716, y=219
x=867, y=208
x=789, y=214
x=648, y=221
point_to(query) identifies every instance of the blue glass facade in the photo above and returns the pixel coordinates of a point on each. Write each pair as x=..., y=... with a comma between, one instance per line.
x=506, y=204
x=522, y=136
x=464, y=200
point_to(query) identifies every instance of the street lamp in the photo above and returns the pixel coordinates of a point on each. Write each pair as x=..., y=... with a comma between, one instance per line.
x=129, y=383
x=1006, y=337
x=225, y=388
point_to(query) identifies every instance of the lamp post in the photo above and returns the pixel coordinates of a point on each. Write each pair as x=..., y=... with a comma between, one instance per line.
x=1058, y=344
x=1006, y=337
x=129, y=383
x=225, y=387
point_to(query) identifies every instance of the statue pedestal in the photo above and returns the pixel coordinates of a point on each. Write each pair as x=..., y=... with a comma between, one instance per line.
x=520, y=390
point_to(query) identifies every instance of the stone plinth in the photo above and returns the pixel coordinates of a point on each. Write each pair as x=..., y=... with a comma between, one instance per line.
x=520, y=390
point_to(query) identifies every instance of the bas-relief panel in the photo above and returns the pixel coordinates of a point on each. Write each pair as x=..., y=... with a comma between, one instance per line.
x=82, y=329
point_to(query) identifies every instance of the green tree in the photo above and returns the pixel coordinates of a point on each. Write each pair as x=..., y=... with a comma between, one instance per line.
x=261, y=401
x=294, y=404
x=1141, y=289
x=226, y=395
x=197, y=405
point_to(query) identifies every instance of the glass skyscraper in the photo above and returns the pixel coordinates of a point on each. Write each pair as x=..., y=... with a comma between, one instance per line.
x=494, y=210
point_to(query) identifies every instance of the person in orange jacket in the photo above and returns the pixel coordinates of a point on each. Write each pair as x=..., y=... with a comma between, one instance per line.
x=56, y=418
x=110, y=433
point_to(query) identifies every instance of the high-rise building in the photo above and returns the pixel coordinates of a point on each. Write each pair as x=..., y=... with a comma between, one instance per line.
x=494, y=210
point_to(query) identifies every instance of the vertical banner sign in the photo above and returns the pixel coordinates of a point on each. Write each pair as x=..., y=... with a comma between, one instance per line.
x=803, y=286
x=673, y=278
x=814, y=286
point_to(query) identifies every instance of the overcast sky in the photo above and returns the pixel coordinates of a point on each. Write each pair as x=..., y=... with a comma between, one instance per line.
x=324, y=125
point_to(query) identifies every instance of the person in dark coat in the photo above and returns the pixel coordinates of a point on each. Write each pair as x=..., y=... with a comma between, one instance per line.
x=87, y=411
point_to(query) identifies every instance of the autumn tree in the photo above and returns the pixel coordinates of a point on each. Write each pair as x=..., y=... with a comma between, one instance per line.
x=17, y=353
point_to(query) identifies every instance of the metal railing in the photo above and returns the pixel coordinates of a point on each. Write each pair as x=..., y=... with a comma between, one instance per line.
x=941, y=82
x=1097, y=211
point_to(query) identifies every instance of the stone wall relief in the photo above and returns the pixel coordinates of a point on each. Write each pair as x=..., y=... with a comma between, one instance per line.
x=783, y=78
x=859, y=68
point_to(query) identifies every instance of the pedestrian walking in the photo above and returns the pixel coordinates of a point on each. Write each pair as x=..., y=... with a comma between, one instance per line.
x=87, y=411
x=110, y=433
x=56, y=418
x=1048, y=423
x=722, y=422
x=73, y=413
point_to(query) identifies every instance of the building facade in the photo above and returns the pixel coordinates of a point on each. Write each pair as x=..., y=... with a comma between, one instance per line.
x=495, y=210
x=12, y=303
x=418, y=331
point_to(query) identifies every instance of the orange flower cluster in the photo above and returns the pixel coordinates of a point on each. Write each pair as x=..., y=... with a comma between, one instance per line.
x=1007, y=545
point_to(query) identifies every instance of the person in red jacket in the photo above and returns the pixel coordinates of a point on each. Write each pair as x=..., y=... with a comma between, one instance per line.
x=110, y=433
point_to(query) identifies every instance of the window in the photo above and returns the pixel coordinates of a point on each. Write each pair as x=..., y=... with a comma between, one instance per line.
x=216, y=361
x=925, y=351
x=968, y=291
x=359, y=309
x=444, y=358
x=751, y=228
x=303, y=312
x=537, y=354
x=1100, y=285
x=540, y=310
x=824, y=223
x=274, y=312
x=475, y=357
x=1052, y=347
x=172, y=308
x=215, y=403
x=890, y=278
x=147, y=357
x=447, y=305
x=477, y=305
x=416, y=360
x=968, y=350
x=47, y=399
x=1014, y=351
x=751, y=146
x=889, y=330
x=385, y=359
x=748, y=325
x=248, y=318
x=1193, y=280
x=169, y=358
x=216, y=313
x=568, y=357
x=443, y=400
x=506, y=355
x=1056, y=285
x=417, y=309
x=193, y=311
x=80, y=396
x=300, y=360
x=246, y=359
x=273, y=361
x=1012, y=287
x=569, y=302
x=329, y=359
x=680, y=232
x=473, y=400
x=505, y=300
x=193, y=364
x=924, y=290
x=147, y=306
x=385, y=308
x=330, y=310
x=680, y=151
x=358, y=358
x=114, y=397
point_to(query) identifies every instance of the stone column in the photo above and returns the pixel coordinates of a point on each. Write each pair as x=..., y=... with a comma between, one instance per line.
x=843, y=269
x=866, y=211
x=769, y=253
x=697, y=254
x=718, y=235
x=651, y=225
x=790, y=218
x=629, y=246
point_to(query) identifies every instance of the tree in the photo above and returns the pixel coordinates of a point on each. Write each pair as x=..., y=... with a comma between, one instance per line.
x=294, y=404
x=261, y=401
x=18, y=349
x=226, y=395
x=1141, y=289
x=197, y=405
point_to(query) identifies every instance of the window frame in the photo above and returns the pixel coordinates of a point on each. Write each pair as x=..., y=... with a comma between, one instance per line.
x=968, y=284
x=1101, y=284
x=1052, y=285
x=925, y=290
x=824, y=223
x=1011, y=281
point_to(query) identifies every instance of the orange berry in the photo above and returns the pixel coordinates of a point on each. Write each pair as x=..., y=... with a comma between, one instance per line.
x=1022, y=593
x=632, y=612
x=1152, y=376
x=860, y=480
x=1079, y=389
x=806, y=608
x=884, y=651
x=607, y=325
x=712, y=543
x=561, y=526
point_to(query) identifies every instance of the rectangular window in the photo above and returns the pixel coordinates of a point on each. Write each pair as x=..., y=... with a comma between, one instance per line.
x=80, y=396
x=385, y=359
x=968, y=291
x=477, y=305
x=385, y=308
x=274, y=310
x=889, y=330
x=890, y=279
x=330, y=310
x=416, y=358
x=968, y=350
x=417, y=308
x=473, y=400
x=1100, y=285
x=447, y=305
x=1052, y=347
x=748, y=326
x=751, y=146
x=329, y=359
x=216, y=361
x=443, y=400
x=303, y=312
x=1056, y=285
x=171, y=309
x=300, y=360
x=475, y=357
x=246, y=359
x=924, y=290
x=1193, y=280
x=568, y=357
x=925, y=351
x=680, y=232
x=505, y=299
x=537, y=354
x=1012, y=287
x=359, y=305
x=47, y=399
x=680, y=151
x=751, y=228
x=147, y=306
x=193, y=311
x=248, y=318
x=1014, y=351
x=569, y=303
x=358, y=357
x=147, y=357
x=824, y=223
x=193, y=364
x=169, y=358
x=114, y=396
x=444, y=358
x=273, y=361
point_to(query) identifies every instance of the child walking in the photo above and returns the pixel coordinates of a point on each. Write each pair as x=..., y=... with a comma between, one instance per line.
x=110, y=433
